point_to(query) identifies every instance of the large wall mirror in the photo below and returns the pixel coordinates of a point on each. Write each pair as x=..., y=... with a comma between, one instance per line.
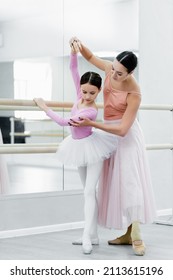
x=34, y=62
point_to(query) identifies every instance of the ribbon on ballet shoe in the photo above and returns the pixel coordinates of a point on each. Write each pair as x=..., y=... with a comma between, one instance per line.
x=138, y=247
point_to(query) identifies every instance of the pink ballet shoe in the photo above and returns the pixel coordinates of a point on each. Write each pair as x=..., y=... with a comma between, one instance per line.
x=138, y=247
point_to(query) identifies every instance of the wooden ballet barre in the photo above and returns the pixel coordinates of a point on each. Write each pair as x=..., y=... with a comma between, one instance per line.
x=30, y=133
x=36, y=148
x=159, y=146
x=29, y=105
x=159, y=107
x=22, y=104
x=25, y=108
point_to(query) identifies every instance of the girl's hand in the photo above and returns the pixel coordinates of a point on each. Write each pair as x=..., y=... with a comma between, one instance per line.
x=75, y=44
x=41, y=103
x=81, y=122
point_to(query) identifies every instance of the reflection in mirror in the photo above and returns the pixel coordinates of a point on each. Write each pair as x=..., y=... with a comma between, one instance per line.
x=32, y=173
x=32, y=67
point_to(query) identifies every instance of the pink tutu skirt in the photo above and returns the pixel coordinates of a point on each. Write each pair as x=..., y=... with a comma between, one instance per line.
x=125, y=191
x=81, y=152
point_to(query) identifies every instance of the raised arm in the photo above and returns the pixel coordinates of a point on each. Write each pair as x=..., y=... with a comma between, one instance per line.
x=75, y=73
x=89, y=56
x=102, y=64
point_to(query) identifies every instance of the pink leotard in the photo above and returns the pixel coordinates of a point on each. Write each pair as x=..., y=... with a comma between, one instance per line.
x=90, y=112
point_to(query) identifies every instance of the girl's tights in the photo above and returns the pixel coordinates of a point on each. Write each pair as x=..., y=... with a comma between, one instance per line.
x=89, y=176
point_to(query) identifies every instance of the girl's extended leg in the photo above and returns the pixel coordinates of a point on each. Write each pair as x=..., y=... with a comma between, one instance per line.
x=93, y=234
x=90, y=206
x=82, y=170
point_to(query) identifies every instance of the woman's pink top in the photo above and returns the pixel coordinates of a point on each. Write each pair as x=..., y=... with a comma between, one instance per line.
x=89, y=112
x=115, y=101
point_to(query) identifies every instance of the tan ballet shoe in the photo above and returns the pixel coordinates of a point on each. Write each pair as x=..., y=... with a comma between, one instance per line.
x=138, y=247
x=120, y=241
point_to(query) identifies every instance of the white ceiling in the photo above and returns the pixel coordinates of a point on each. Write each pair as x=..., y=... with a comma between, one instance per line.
x=16, y=9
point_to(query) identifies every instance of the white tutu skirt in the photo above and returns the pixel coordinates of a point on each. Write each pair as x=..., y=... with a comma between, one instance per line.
x=86, y=151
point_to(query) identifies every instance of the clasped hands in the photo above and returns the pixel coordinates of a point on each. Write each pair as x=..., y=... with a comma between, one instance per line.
x=75, y=44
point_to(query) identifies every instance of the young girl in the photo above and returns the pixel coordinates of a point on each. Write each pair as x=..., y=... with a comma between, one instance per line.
x=84, y=148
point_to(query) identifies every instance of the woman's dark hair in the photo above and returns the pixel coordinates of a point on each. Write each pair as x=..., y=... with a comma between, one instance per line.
x=128, y=60
x=91, y=78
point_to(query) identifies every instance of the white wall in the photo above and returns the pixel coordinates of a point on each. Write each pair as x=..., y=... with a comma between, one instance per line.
x=155, y=77
x=28, y=38
x=112, y=26
x=104, y=25
x=6, y=84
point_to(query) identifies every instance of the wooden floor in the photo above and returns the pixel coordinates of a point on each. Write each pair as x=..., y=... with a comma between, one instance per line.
x=58, y=246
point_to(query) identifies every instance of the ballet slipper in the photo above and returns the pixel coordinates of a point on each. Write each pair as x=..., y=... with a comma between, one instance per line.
x=120, y=241
x=94, y=241
x=87, y=246
x=138, y=247
x=124, y=239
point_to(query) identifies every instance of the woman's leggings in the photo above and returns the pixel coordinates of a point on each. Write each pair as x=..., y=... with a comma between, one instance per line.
x=89, y=176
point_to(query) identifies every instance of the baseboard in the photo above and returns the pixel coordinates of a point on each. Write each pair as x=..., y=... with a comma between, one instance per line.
x=40, y=230
x=165, y=217
x=164, y=212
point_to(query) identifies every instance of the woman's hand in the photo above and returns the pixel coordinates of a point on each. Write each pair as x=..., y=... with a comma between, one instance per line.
x=81, y=122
